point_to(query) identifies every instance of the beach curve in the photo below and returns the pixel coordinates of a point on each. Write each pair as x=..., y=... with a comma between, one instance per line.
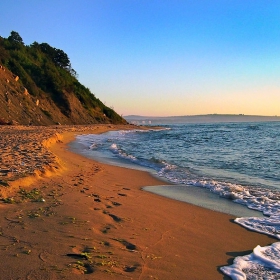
x=93, y=219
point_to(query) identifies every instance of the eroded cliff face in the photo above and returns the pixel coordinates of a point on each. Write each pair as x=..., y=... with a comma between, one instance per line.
x=38, y=86
x=17, y=106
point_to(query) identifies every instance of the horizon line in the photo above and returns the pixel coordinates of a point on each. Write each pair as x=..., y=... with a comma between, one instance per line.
x=203, y=115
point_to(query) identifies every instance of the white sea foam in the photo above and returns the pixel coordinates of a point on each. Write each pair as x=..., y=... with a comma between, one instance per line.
x=262, y=263
x=264, y=200
x=93, y=146
x=115, y=149
x=267, y=225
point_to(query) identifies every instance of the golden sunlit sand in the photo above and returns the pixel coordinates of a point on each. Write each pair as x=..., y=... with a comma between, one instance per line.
x=75, y=218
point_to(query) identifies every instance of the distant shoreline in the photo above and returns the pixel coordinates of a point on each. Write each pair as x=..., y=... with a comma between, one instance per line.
x=211, y=118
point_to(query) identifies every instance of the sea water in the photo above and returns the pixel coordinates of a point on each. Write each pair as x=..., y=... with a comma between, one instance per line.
x=228, y=167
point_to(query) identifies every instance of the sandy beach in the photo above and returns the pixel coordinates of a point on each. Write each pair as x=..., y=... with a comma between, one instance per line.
x=64, y=216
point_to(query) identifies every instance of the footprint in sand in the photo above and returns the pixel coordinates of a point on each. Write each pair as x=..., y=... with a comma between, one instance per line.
x=122, y=194
x=113, y=204
x=116, y=203
x=84, y=262
x=130, y=268
x=128, y=245
x=115, y=218
x=107, y=228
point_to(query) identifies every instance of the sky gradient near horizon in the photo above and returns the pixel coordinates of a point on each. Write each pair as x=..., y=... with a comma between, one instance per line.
x=163, y=57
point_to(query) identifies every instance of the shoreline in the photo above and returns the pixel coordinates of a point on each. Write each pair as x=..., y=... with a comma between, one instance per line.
x=97, y=221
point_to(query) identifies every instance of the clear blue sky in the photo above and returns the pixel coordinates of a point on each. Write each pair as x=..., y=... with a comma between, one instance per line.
x=163, y=57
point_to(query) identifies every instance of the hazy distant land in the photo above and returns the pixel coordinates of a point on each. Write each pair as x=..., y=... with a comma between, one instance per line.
x=211, y=118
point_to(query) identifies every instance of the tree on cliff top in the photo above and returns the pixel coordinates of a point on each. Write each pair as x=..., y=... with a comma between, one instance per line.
x=59, y=57
x=15, y=38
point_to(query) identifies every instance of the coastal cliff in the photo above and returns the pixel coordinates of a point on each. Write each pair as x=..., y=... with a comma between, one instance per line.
x=38, y=86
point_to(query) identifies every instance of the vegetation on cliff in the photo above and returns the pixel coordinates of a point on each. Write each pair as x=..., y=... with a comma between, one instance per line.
x=43, y=76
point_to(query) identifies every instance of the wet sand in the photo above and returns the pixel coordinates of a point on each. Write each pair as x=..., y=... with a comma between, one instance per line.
x=74, y=218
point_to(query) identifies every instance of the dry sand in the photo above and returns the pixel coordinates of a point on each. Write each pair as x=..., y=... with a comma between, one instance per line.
x=74, y=218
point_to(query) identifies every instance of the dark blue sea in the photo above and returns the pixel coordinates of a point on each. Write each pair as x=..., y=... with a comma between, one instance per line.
x=228, y=167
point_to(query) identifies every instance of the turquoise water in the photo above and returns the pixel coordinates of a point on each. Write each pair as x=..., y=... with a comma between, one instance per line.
x=217, y=166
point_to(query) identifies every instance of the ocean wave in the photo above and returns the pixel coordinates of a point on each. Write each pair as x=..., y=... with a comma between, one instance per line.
x=262, y=263
x=253, y=127
x=121, y=153
x=267, y=225
x=153, y=163
x=261, y=199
